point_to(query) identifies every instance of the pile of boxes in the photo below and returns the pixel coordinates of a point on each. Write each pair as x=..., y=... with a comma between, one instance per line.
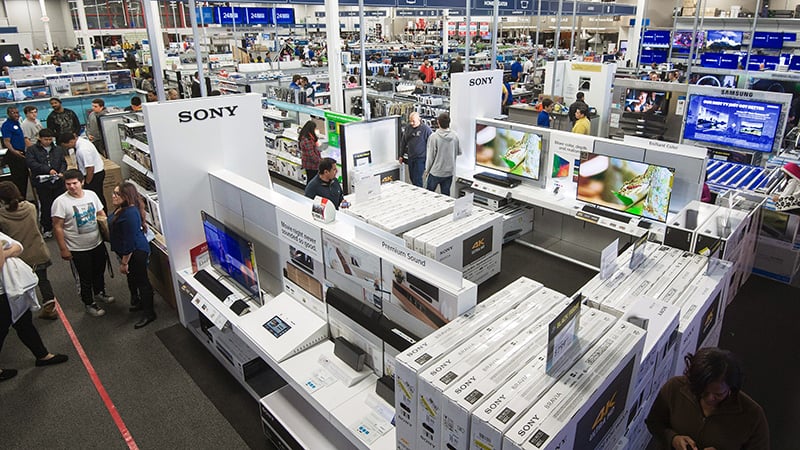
x=483, y=380
x=471, y=245
x=401, y=207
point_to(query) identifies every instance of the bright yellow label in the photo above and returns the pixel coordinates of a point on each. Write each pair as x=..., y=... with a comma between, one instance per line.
x=587, y=67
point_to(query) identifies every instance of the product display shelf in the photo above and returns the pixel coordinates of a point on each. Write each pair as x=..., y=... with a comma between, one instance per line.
x=141, y=146
x=299, y=371
x=139, y=168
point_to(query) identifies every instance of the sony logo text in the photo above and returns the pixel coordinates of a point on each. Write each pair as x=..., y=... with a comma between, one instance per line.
x=207, y=113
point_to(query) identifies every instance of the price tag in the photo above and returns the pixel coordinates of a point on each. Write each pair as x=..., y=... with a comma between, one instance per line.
x=713, y=256
x=371, y=427
x=562, y=332
x=318, y=380
x=463, y=206
x=209, y=311
x=367, y=187
x=608, y=259
x=638, y=251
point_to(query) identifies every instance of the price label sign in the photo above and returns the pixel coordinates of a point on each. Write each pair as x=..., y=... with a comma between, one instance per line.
x=638, y=251
x=463, y=206
x=562, y=332
x=608, y=259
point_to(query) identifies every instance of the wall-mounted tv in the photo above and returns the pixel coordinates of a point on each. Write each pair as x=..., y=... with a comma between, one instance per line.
x=510, y=151
x=767, y=39
x=682, y=40
x=726, y=81
x=656, y=38
x=231, y=254
x=724, y=39
x=720, y=60
x=651, y=102
x=653, y=56
x=732, y=122
x=632, y=187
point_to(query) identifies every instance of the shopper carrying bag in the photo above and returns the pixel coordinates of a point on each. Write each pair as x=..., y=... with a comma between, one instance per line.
x=20, y=282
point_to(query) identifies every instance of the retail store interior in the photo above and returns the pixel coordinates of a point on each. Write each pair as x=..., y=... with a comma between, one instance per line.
x=332, y=271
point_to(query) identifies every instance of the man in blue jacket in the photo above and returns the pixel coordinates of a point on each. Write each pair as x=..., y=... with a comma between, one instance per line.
x=413, y=147
x=47, y=164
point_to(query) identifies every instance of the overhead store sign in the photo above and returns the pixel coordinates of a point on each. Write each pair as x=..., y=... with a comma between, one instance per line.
x=252, y=15
x=353, y=14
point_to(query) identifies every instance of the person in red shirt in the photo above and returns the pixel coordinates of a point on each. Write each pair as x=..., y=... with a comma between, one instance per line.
x=427, y=69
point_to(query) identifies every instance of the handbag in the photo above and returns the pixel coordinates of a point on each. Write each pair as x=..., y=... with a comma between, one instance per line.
x=102, y=226
x=19, y=282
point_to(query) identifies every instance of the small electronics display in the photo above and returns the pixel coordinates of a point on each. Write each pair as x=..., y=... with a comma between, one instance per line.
x=277, y=327
x=633, y=187
x=231, y=254
x=510, y=151
x=764, y=39
x=10, y=55
x=656, y=38
x=682, y=40
x=639, y=101
x=724, y=39
x=731, y=122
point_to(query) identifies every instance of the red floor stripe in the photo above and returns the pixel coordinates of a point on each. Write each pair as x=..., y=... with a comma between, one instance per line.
x=126, y=435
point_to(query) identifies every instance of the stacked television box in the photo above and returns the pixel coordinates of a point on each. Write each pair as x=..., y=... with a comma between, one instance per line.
x=492, y=364
x=471, y=245
x=401, y=207
x=679, y=298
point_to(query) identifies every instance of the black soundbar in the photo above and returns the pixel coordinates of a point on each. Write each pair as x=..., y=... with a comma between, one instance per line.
x=212, y=284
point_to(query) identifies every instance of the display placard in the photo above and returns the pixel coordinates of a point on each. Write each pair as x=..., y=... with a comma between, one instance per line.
x=637, y=255
x=562, y=332
x=608, y=258
x=463, y=206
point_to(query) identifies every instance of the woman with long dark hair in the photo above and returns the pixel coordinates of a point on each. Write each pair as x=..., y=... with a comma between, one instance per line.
x=128, y=241
x=18, y=219
x=309, y=149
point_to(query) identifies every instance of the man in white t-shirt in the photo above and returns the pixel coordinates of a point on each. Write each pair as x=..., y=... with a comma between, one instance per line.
x=89, y=162
x=75, y=214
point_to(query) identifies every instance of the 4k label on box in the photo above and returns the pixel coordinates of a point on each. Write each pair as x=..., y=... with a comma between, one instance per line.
x=599, y=419
x=476, y=246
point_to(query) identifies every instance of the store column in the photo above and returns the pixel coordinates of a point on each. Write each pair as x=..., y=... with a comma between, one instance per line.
x=84, y=30
x=334, y=55
x=632, y=54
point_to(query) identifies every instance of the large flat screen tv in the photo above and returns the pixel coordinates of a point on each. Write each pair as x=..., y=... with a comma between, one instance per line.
x=632, y=187
x=511, y=151
x=650, y=102
x=732, y=122
x=724, y=39
x=231, y=254
x=767, y=39
x=656, y=38
x=682, y=40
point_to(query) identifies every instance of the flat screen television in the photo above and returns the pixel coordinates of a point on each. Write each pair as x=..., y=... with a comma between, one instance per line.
x=231, y=254
x=682, y=40
x=650, y=102
x=653, y=56
x=724, y=39
x=632, y=187
x=656, y=38
x=510, y=151
x=767, y=39
x=732, y=122
x=726, y=81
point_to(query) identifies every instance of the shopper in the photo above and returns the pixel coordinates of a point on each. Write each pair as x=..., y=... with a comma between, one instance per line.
x=543, y=120
x=427, y=69
x=196, y=92
x=24, y=325
x=135, y=106
x=47, y=163
x=582, y=124
x=172, y=94
x=443, y=148
x=18, y=219
x=62, y=120
x=89, y=162
x=527, y=66
x=76, y=230
x=325, y=184
x=31, y=125
x=147, y=82
x=352, y=82
x=508, y=96
x=705, y=408
x=456, y=66
x=578, y=103
x=414, y=147
x=127, y=225
x=93, y=130
x=516, y=70
x=14, y=142
x=309, y=149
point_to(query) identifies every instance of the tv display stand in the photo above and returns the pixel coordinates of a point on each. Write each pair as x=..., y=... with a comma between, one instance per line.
x=494, y=178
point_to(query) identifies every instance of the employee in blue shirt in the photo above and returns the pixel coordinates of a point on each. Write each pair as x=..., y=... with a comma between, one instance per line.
x=14, y=141
x=516, y=69
x=544, y=115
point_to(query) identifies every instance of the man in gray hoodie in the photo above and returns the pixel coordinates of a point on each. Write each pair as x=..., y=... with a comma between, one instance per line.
x=442, y=151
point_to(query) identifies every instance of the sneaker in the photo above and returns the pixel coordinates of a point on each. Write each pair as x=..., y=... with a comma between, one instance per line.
x=49, y=311
x=95, y=310
x=47, y=234
x=102, y=297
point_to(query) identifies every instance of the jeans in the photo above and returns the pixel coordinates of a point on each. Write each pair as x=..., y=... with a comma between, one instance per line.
x=139, y=283
x=45, y=287
x=416, y=167
x=24, y=327
x=96, y=186
x=19, y=173
x=91, y=265
x=47, y=193
x=443, y=183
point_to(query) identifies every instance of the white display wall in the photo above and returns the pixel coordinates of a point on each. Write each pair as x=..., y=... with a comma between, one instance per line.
x=595, y=80
x=473, y=94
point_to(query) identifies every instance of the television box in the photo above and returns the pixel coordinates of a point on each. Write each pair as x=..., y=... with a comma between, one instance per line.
x=669, y=274
x=470, y=244
x=606, y=289
x=517, y=220
x=726, y=226
x=681, y=231
x=481, y=414
x=32, y=93
x=693, y=267
x=6, y=95
x=451, y=367
x=80, y=88
x=424, y=353
x=648, y=273
x=701, y=308
x=585, y=403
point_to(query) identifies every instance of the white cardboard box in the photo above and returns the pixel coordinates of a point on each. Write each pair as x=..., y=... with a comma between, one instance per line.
x=499, y=410
x=426, y=351
x=582, y=407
